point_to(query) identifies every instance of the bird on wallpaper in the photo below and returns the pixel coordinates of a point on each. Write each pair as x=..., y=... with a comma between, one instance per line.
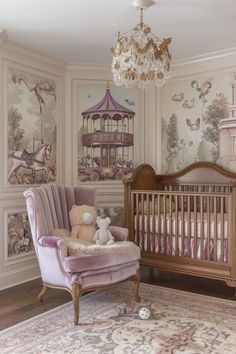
x=130, y=102
x=38, y=88
x=178, y=97
x=189, y=103
x=202, y=88
x=195, y=125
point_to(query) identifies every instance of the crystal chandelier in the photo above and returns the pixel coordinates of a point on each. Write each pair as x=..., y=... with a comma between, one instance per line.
x=140, y=57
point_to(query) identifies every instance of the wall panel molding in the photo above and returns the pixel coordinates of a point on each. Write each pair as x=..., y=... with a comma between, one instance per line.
x=18, y=276
x=21, y=268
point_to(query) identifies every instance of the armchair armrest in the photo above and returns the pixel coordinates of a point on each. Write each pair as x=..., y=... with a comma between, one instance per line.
x=57, y=245
x=50, y=241
x=119, y=233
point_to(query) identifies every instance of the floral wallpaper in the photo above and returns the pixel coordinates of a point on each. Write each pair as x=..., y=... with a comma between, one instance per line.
x=193, y=114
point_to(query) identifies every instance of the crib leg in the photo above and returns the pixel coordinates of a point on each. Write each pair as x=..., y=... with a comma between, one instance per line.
x=232, y=284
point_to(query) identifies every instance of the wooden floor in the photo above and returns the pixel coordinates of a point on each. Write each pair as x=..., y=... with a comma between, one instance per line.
x=20, y=302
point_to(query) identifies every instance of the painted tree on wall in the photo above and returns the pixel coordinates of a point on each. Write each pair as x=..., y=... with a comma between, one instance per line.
x=15, y=133
x=216, y=111
x=201, y=152
x=172, y=140
x=40, y=90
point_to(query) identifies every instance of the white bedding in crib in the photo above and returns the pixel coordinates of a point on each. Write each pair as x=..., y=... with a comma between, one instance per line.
x=166, y=222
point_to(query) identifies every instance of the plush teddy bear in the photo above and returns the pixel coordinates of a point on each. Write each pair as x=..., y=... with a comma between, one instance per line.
x=83, y=220
x=102, y=235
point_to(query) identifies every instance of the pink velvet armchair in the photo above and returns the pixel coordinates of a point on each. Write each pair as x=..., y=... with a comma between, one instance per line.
x=48, y=208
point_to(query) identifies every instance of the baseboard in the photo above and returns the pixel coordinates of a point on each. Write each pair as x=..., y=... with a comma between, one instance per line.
x=20, y=276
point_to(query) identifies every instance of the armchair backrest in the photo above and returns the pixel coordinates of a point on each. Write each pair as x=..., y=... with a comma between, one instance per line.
x=48, y=207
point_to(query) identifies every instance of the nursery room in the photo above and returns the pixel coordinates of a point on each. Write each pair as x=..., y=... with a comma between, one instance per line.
x=118, y=176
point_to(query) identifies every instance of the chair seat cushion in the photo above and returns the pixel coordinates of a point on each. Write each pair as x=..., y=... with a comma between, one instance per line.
x=86, y=263
x=77, y=247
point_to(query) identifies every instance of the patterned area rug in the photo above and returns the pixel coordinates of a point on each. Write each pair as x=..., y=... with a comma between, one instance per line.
x=180, y=322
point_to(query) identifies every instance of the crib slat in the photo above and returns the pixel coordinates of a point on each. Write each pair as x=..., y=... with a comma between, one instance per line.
x=222, y=229
x=176, y=227
x=195, y=226
x=159, y=222
x=164, y=214
x=139, y=210
x=215, y=229
x=132, y=226
x=143, y=223
x=208, y=227
x=201, y=229
x=189, y=226
x=153, y=223
x=147, y=243
x=182, y=226
x=170, y=224
x=164, y=223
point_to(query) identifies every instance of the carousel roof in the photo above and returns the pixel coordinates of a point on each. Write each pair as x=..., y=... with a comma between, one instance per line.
x=108, y=108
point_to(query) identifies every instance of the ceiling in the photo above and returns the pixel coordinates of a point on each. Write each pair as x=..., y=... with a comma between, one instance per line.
x=79, y=31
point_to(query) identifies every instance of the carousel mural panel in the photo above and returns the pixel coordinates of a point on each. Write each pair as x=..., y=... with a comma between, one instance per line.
x=199, y=121
x=32, y=112
x=19, y=241
x=108, y=130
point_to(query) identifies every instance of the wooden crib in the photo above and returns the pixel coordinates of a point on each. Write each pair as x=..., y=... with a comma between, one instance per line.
x=184, y=222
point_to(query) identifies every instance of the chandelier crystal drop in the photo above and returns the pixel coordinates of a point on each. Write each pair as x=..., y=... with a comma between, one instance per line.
x=140, y=57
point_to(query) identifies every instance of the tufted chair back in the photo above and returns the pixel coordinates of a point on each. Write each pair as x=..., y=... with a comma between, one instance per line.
x=48, y=207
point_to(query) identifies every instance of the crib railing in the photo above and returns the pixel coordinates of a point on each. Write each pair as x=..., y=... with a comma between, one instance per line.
x=210, y=188
x=183, y=223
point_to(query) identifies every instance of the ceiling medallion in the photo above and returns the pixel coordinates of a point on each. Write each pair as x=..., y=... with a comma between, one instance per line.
x=140, y=57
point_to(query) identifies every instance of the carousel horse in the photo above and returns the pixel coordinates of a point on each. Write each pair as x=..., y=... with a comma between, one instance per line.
x=34, y=161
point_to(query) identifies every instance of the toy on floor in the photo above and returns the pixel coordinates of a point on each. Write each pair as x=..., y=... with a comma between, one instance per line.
x=144, y=313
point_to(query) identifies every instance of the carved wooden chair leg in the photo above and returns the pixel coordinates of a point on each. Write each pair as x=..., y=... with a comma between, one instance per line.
x=75, y=297
x=136, y=288
x=43, y=292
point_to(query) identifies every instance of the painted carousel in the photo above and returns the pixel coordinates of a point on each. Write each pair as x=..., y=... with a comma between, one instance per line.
x=108, y=140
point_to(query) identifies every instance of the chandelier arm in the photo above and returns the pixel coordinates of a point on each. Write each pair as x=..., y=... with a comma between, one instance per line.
x=130, y=30
x=157, y=38
x=161, y=48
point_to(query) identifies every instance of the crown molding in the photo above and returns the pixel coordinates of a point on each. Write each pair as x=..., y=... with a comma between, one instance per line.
x=9, y=50
x=88, y=67
x=204, y=57
x=215, y=61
